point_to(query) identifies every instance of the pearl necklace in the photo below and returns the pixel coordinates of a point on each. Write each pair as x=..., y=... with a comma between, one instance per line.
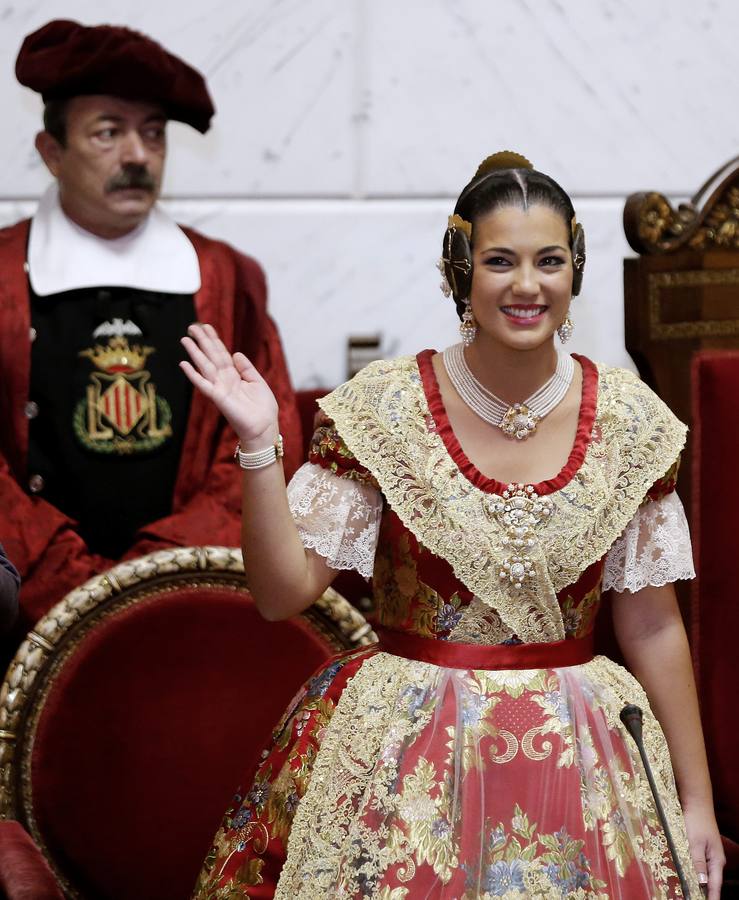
x=517, y=420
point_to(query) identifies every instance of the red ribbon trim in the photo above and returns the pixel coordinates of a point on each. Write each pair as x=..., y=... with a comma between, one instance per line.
x=456, y=655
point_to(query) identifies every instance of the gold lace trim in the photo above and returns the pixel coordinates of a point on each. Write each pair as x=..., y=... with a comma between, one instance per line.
x=383, y=417
x=624, y=688
x=357, y=748
x=479, y=625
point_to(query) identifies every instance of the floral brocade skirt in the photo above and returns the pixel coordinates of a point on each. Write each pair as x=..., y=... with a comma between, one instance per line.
x=397, y=779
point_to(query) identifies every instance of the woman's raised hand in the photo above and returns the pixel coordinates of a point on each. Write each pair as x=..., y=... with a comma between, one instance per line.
x=233, y=384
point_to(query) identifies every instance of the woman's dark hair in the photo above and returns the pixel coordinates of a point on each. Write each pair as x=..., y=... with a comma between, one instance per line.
x=512, y=187
x=517, y=187
x=55, y=120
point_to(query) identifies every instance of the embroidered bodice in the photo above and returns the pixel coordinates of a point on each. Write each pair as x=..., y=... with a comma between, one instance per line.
x=462, y=557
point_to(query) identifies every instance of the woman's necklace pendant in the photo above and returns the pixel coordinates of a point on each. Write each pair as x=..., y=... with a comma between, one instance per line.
x=515, y=420
x=519, y=422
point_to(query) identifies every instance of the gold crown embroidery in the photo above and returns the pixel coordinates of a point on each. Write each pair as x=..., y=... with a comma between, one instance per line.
x=118, y=356
x=121, y=413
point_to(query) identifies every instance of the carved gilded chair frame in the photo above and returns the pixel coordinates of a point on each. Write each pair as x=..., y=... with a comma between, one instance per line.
x=56, y=638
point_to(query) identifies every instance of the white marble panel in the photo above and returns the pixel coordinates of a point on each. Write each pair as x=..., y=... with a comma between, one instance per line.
x=281, y=73
x=608, y=96
x=350, y=268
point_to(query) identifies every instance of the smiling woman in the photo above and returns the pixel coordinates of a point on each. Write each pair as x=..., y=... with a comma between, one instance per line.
x=493, y=491
x=529, y=282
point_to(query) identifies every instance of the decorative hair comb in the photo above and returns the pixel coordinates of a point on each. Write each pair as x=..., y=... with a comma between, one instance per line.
x=456, y=221
x=503, y=159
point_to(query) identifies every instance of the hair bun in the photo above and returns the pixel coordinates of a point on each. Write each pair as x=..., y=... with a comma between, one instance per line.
x=503, y=159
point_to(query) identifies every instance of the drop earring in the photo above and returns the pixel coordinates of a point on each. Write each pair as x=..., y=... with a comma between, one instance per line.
x=468, y=326
x=565, y=329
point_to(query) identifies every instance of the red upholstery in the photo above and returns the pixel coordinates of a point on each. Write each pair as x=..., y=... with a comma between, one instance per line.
x=715, y=531
x=731, y=849
x=24, y=873
x=148, y=730
x=307, y=409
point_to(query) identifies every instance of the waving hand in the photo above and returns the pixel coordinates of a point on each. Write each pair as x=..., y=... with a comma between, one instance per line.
x=232, y=383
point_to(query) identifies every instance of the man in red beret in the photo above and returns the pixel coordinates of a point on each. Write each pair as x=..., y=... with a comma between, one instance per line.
x=105, y=451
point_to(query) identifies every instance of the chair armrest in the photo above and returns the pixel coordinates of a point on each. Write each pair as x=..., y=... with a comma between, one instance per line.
x=24, y=873
x=731, y=849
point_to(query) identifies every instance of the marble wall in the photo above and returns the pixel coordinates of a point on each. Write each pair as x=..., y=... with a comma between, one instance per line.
x=345, y=129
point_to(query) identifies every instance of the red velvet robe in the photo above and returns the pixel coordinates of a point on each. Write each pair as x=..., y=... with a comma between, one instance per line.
x=39, y=539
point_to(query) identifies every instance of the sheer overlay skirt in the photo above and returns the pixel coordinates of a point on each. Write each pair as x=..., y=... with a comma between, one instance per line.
x=391, y=778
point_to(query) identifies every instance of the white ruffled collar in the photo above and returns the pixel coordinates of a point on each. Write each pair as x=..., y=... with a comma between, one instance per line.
x=155, y=256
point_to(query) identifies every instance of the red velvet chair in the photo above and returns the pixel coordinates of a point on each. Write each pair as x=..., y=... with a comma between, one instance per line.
x=682, y=330
x=715, y=610
x=130, y=715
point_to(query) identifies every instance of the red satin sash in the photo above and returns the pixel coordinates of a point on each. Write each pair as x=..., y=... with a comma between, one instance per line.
x=456, y=655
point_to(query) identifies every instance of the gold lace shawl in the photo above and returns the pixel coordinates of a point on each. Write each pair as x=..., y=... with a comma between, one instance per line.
x=384, y=419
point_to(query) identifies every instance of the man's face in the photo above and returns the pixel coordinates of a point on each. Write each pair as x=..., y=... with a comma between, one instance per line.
x=110, y=171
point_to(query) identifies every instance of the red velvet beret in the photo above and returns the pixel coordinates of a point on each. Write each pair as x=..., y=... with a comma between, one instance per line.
x=66, y=59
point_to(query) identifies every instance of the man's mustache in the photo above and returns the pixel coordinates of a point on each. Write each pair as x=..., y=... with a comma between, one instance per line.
x=136, y=177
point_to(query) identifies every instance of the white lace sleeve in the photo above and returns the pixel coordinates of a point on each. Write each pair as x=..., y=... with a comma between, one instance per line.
x=337, y=517
x=654, y=549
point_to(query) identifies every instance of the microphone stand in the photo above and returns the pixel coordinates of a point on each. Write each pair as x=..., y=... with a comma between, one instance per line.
x=631, y=716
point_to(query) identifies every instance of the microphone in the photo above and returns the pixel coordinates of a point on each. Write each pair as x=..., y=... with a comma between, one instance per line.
x=631, y=716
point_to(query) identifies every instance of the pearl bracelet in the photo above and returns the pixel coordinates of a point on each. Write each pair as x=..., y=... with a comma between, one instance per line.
x=260, y=458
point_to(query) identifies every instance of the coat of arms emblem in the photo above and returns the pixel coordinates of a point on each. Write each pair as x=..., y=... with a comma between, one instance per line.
x=121, y=413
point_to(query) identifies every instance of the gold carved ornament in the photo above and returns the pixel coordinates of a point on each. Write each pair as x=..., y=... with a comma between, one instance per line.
x=710, y=220
x=659, y=283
